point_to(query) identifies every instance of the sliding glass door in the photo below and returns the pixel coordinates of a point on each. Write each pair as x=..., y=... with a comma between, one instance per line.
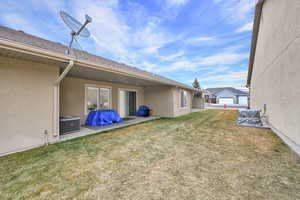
x=127, y=103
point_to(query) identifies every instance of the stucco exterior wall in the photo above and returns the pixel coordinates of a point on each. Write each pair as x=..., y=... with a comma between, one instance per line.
x=26, y=105
x=276, y=73
x=160, y=100
x=72, y=95
x=198, y=102
x=178, y=110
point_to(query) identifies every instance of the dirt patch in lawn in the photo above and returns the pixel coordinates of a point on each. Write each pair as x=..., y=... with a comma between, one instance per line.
x=198, y=156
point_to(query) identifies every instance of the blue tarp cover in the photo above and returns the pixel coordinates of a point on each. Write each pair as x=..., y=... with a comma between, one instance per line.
x=143, y=111
x=102, y=118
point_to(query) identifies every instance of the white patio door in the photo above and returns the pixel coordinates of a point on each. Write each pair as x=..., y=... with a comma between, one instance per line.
x=127, y=103
x=123, y=103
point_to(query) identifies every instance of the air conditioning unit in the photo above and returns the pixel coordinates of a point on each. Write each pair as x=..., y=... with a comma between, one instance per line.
x=69, y=124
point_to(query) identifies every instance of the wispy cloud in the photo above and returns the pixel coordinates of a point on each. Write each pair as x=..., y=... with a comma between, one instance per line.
x=181, y=65
x=225, y=58
x=199, y=40
x=230, y=77
x=194, y=65
x=176, y=2
x=161, y=36
x=113, y=34
x=245, y=28
x=237, y=10
x=14, y=20
x=216, y=70
x=172, y=56
x=109, y=31
x=150, y=38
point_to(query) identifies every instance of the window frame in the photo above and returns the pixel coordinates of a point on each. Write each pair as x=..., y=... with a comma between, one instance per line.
x=86, y=112
x=183, y=105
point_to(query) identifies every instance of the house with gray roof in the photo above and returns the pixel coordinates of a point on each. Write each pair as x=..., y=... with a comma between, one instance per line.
x=39, y=83
x=225, y=95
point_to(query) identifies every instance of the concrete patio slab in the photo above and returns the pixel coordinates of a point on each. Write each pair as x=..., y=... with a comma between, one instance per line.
x=93, y=130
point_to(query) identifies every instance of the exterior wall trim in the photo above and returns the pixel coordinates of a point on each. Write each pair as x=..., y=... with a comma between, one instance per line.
x=24, y=149
x=295, y=147
x=187, y=104
x=256, y=25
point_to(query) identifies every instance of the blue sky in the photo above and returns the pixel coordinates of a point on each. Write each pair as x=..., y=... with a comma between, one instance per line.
x=179, y=39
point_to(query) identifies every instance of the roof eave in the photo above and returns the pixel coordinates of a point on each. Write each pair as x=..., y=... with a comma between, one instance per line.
x=256, y=26
x=26, y=49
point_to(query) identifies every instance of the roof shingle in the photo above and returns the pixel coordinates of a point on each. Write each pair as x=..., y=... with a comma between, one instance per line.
x=36, y=42
x=233, y=90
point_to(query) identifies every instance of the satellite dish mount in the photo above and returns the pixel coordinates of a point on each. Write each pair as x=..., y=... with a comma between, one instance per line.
x=77, y=29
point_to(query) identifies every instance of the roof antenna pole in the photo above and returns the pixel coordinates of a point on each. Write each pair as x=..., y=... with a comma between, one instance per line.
x=73, y=24
x=77, y=29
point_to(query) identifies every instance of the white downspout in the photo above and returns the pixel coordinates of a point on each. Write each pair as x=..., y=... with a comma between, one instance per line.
x=62, y=76
x=56, y=98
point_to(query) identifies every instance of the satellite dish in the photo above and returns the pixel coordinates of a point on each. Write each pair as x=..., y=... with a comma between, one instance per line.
x=77, y=29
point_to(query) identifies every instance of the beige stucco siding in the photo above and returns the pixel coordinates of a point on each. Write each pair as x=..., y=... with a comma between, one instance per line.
x=26, y=93
x=160, y=100
x=279, y=27
x=178, y=110
x=72, y=95
x=276, y=72
x=197, y=102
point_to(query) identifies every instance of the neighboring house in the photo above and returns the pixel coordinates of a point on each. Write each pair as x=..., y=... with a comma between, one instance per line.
x=274, y=69
x=36, y=87
x=226, y=95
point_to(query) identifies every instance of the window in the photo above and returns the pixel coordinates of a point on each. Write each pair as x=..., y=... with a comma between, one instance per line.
x=104, y=98
x=183, y=99
x=92, y=99
x=97, y=98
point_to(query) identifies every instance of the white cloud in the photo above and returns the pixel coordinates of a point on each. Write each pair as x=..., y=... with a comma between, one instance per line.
x=231, y=77
x=175, y=66
x=195, y=65
x=197, y=40
x=151, y=67
x=216, y=70
x=108, y=28
x=150, y=37
x=179, y=65
x=223, y=58
x=236, y=11
x=245, y=28
x=16, y=21
x=172, y=56
x=54, y=5
x=176, y=2
x=203, y=39
x=213, y=70
x=114, y=35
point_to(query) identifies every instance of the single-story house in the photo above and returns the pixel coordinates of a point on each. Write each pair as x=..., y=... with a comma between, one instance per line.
x=39, y=83
x=225, y=95
x=274, y=67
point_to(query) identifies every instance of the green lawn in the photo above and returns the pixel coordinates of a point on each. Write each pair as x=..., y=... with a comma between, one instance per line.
x=198, y=156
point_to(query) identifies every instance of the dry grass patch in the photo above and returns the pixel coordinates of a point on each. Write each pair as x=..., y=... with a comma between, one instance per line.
x=198, y=156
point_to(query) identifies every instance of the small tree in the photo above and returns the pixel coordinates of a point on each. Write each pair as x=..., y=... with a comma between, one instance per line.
x=196, y=85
